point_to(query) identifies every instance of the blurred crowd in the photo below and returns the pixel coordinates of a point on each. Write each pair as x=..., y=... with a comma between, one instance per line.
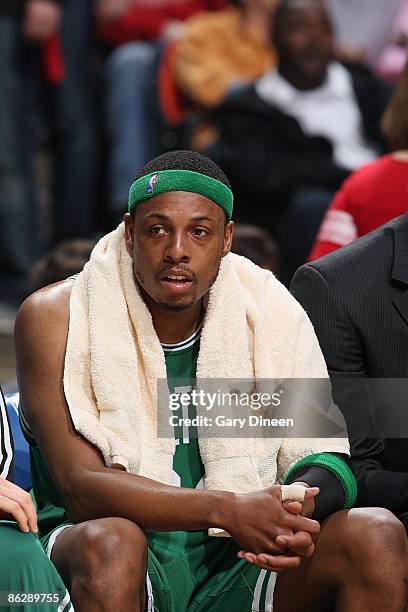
x=303, y=103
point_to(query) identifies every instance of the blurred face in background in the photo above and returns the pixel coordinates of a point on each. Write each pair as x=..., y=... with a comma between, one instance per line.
x=303, y=39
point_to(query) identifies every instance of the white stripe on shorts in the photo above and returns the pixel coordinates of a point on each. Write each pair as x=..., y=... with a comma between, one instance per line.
x=64, y=602
x=258, y=590
x=54, y=537
x=270, y=591
x=150, y=599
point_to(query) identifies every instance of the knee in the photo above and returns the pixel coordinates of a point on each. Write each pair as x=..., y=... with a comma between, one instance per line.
x=112, y=549
x=371, y=534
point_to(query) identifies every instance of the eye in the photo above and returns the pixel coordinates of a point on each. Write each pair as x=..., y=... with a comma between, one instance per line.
x=200, y=232
x=157, y=230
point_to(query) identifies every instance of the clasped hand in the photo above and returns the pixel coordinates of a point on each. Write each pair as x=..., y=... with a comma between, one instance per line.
x=287, y=537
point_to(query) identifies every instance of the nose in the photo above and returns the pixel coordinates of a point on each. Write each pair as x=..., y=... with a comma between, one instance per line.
x=177, y=248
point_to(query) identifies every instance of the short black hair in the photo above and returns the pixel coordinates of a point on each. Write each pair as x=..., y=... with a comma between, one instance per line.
x=184, y=160
x=284, y=7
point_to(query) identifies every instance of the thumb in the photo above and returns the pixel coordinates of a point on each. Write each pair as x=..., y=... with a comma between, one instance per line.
x=292, y=507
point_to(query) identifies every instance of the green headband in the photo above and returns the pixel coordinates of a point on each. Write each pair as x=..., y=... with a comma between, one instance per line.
x=163, y=181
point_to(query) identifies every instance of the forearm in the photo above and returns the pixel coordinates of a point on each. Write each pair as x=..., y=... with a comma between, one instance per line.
x=331, y=497
x=379, y=487
x=149, y=504
x=332, y=474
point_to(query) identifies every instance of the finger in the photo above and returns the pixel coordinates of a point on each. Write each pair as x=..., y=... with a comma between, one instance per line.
x=301, y=523
x=31, y=514
x=11, y=507
x=300, y=538
x=250, y=557
x=270, y=549
x=23, y=499
x=275, y=491
x=293, y=507
x=311, y=492
x=310, y=550
x=300, y=543
x=277, y=564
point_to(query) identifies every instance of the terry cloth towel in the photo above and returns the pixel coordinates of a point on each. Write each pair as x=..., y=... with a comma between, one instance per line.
x=252, y=327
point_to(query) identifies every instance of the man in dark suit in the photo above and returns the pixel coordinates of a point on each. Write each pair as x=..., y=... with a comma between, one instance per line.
x=357, y=300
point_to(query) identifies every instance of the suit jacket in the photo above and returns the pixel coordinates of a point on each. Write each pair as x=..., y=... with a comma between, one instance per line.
x=357, y=299
x=283, y=158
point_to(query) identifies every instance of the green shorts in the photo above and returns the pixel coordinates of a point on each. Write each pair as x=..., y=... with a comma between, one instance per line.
x=26, y=571
x=224, y=584
x=204, y=578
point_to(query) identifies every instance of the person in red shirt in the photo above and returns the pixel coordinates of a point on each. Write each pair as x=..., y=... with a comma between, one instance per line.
x=123, y=21
x=377, y=192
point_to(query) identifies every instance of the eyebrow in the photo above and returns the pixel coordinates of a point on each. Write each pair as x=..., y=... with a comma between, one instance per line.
x=166, y=218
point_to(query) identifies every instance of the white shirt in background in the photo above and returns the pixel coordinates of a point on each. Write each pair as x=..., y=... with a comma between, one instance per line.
x=330, y=111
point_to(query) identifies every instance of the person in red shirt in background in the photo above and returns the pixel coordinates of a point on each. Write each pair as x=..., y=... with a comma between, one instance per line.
x=122, y=21
x=378, y=191
x=138, y=31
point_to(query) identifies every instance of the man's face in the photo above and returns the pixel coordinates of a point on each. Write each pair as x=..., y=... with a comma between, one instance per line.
x=305, y=44
x=177, y=240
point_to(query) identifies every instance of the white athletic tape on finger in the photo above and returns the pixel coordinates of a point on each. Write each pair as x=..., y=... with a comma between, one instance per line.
x=293, y=492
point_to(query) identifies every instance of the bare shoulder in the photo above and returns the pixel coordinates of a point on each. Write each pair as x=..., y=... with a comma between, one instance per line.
x=44, y=314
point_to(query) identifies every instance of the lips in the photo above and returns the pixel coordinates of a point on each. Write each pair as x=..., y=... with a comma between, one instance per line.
x=174, y=277
x=177, y=275
x=176, y=281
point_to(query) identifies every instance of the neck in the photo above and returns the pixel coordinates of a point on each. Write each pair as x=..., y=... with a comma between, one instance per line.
x=400, y=155
x=174, y=326
x=300, y=81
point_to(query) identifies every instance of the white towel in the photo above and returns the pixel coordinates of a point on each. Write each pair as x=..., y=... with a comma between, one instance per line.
x=252, y=327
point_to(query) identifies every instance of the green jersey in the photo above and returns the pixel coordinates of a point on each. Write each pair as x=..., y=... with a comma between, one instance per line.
x=188, y=571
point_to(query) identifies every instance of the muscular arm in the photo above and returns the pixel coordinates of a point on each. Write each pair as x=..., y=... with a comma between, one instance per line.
x=91, y=490
x=88, y=488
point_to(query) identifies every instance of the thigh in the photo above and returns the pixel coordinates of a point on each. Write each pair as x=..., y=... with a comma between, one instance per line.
x=311, y=586
x=362, y=550
x=25, y=568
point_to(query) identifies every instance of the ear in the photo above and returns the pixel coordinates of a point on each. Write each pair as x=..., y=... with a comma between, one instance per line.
x=228, y=234
x=129, y=231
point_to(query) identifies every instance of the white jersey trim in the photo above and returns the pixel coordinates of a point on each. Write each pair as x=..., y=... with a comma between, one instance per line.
x=6, y=449
x=180, y=346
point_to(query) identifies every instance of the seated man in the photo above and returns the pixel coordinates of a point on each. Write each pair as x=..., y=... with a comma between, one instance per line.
x=356, y=298
x=25, y=570
x=162, y=299
x=307, y=124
